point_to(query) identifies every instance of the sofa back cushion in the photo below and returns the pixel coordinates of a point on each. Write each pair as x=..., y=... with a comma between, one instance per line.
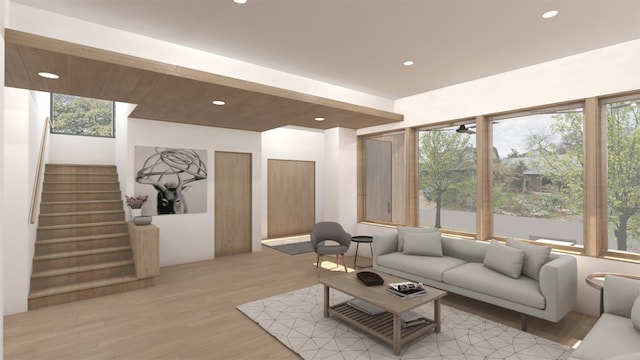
x=467, y=250
x=534, y=257
x=403, y=230
x=425, y=244
x=619, y=295
x=504, y=259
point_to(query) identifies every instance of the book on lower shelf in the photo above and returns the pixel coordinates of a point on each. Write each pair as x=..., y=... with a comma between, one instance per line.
x=412, y=318
x=407, y=289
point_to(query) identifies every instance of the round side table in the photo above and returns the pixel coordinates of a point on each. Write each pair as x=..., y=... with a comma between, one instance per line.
x=366, y=239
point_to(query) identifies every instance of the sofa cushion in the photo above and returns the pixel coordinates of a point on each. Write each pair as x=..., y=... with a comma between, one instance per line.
x=504, y=259
x=611, y=336
x=476, y=277
x=534, y=257
x=635, y=313
x=427, y=244
x=402, y=230
x=619, y=295
x=430, y=267
x=465, y=249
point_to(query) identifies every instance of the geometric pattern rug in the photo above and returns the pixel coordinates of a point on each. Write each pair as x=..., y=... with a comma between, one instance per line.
x=296, y=319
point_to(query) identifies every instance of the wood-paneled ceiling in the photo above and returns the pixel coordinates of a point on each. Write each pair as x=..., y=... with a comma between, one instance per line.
x=167, y=92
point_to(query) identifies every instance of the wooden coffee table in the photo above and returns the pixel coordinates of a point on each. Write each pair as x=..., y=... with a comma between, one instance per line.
x=386, y=326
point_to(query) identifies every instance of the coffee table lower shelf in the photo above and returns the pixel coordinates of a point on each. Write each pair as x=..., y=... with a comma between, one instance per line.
x=381, y=325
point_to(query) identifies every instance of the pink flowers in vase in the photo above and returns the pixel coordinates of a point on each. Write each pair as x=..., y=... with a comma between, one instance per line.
x=135, y=202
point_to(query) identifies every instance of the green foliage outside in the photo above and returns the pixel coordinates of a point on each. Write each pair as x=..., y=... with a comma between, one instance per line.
x=447, y=163
x=76, y=115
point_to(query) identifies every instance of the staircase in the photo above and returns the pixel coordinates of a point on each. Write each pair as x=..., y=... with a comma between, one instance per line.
x=82, y=245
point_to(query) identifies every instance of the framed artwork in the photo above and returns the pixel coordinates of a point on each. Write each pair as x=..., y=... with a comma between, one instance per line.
x=174, y=179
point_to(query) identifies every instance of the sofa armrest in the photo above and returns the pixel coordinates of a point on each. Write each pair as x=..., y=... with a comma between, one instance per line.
x=559, y=286
x=384, y=244
x=619, y=295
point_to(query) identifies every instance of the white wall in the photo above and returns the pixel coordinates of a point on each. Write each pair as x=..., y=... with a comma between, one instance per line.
x=87, y=150
x=294, y=144
x=16, y=199
x=608, y=70
x=3, y=15
x=190, y=237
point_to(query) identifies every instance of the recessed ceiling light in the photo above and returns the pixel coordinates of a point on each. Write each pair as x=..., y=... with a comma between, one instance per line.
x=48, y=75
x=218, y=102
x=240, y=1
x=408, y=63
x=550, y=14
x=319, y=119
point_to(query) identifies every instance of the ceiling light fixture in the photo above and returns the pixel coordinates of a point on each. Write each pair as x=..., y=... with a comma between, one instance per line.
x=218, y=102
x=240, y=1
x=319, y=119
x=550, y=14
x=408, y=63
x=48, y=75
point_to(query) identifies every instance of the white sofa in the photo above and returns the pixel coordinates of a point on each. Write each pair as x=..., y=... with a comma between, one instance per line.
x=616, y=334
x=522, y=277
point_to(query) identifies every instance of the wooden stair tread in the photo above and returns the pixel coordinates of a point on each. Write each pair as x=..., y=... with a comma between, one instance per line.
x=68, y=202
x=80, y=238
x=77, y=269
x=74, y=213
x=65, y=226
x=80, y=191
x=60, y=255
x=56, y=290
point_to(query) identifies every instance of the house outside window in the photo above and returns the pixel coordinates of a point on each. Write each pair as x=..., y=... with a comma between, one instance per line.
x=538, y=176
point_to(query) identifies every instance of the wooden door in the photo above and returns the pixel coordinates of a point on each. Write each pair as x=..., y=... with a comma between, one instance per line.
x=291, y=197
x=378, y=180
x=233, y=203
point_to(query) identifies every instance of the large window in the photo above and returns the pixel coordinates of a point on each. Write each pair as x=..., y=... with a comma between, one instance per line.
x=538, y=176
x=447, y=178
x=75, y=115
x=623, y=175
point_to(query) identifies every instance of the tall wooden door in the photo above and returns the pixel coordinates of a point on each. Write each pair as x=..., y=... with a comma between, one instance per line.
x=291, y=197
x=233, y=203
x=378, y=180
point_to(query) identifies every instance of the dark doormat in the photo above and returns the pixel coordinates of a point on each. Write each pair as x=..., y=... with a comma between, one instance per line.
x=293, y=248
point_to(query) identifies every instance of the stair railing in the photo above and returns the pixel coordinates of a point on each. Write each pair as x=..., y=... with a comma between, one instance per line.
x=39, y=170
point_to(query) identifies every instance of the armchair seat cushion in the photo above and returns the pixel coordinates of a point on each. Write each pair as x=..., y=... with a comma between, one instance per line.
x=611, y=336
x=331, y=249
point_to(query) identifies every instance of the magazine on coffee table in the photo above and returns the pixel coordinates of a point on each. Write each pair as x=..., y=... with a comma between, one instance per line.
x=407, y=289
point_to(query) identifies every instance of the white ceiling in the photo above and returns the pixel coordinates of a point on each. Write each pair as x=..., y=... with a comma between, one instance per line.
x=361, y=44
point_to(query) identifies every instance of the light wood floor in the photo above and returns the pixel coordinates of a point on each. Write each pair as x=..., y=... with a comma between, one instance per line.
x=191, y=314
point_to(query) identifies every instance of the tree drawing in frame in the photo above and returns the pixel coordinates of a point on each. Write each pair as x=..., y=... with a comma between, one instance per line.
x=172, y=178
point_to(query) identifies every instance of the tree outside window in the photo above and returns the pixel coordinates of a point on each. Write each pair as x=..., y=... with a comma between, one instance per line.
x=447, y=179
x=76, y=115
x=623, y=180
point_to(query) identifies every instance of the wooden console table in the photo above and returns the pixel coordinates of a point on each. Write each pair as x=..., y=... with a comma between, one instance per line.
x=145, y=244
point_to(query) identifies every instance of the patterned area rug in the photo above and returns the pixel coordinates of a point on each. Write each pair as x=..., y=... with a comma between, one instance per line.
x=296, y=319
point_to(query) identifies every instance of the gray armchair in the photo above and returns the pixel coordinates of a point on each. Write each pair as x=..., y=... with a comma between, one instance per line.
x=329, y=238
